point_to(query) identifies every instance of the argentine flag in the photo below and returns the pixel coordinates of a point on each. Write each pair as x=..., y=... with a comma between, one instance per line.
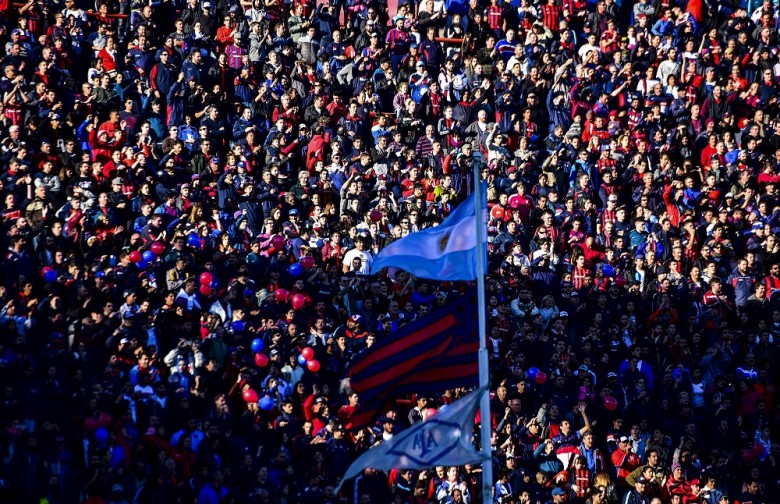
x=445, y=252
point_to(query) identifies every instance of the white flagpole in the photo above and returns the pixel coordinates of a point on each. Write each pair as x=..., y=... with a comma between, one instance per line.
x=484, y=376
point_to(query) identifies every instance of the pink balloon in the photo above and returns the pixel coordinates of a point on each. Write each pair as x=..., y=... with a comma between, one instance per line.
x=250, y=395
x=620, y=280
x=261, y=360
x=429, y=412
x=313, y=365
x=610, y=403
x=278, y=242
x=282, y=294
x=206, y=278
x=541, y=377
x=307, y=262
x=45, y=270
x=206, y=290
x=298, y=301
x=308, y=353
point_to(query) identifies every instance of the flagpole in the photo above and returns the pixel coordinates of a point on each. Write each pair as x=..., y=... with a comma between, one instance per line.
x=484, y=376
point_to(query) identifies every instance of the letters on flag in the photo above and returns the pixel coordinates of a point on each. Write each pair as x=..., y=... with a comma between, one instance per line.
x=443, y=439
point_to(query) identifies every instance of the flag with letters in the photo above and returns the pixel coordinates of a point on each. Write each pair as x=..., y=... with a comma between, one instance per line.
x=445, y=252
x=442, y=439
x=432, y=354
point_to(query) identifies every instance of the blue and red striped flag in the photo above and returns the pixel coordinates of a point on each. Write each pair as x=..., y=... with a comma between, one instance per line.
x=430, y=355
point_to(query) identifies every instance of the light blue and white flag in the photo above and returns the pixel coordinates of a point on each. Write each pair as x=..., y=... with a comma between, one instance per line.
x=445, y=252
x=443, y=439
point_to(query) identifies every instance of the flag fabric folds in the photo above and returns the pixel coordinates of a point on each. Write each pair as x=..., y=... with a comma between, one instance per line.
x=443, y=439
x=429, y=355
x=445, y=252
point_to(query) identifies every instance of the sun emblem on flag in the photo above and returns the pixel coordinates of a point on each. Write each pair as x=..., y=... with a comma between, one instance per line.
x=443, y=241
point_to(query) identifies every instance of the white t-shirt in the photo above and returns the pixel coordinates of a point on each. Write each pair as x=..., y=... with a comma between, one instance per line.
x=365, y=259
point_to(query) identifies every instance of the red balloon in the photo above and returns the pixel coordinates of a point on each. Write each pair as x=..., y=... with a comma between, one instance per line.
x=261, y=359
x=610, y=403
x=313, y=365
x=375, y=215
x=429, y=412
x=157, y=248
x=278, y=242
x=540, y=377
x=298, y=301
x=307, y=262
x=620, y=280
x=91, y=423
x=250, y=395
x=282, y=294
x=206, y=290
x=308, y=353
x=271, y=250
x=206, y=278
x=134, y=256
x=45, y=270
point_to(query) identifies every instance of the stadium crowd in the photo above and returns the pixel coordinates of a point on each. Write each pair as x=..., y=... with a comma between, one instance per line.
x=193, y=193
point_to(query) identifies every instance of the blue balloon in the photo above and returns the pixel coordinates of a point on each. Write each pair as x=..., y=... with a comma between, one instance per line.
x=148, y=256
x=257, y=344
x=301, y=360
x=193, y=240
x=266, y=403
x=50, y=276
x=112, y=260
x=142, y=264
x=295, y=270
x=238, y=326
x=214, y=284
x=532, y=372
x=608, y=270
x=101, y=436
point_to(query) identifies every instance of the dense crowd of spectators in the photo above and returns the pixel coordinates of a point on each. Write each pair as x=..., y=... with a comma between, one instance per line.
x=186, y=177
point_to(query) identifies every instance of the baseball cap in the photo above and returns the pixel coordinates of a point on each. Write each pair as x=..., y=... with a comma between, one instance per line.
x=293, y=211
x=564, y=314
x=355, y=318
x=611, y=374
x=623, y=439
x=612, y=197
x=558, y=491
